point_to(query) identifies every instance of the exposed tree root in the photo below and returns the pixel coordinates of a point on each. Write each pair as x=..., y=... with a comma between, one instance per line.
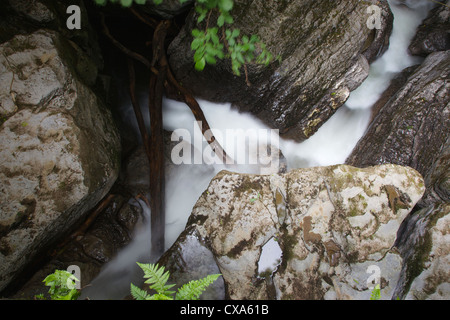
x=156, y=144
x=161, y=80
x=80, y=232
x=137, y=108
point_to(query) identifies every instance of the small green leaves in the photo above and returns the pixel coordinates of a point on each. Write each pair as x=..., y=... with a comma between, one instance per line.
x=258, y=197
x=221, y=20
x=200, y=64
x=62, y=285
x=241, y=50
x=225, y=5
x=196, y=43
x=224, y=17
x=217, y=42
x=207, y=47
x=126, y=3
x=202, y=13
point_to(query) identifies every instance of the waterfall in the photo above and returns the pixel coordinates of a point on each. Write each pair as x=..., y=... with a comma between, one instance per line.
x=332, y=144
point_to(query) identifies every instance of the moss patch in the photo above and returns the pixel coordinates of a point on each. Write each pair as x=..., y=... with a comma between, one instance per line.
x=248, y=185
x=416, y=263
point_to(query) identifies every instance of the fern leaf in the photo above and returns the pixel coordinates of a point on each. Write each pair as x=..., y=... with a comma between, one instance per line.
x=193, y=289
x=138, y=293
x=157, y=279
x=376, y=294
x=160, y=297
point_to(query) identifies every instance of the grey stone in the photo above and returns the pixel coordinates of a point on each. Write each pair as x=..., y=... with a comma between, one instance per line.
x=434, y=32
x=332, y=224
x=32, y=9
x=59, y=147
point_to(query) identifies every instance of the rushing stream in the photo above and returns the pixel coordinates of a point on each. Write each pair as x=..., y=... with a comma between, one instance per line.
x=330, y=145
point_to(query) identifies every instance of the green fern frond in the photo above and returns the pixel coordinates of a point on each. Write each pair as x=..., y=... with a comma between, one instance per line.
x=157, y=279
x=138, y=293
x=193, y=289
x=160, y=297
x=376, y=293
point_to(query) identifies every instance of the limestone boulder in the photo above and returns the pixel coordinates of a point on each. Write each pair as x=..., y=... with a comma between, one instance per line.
x=21, y=17
x=335, y=228
x=59, y=147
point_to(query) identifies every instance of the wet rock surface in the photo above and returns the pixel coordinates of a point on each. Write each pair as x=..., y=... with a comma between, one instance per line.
x=90, y=250
x=413, y=128
x=318, y=66
x=168, y=9
x=331, y=223
x=424, y=247
x=190, y=259
x=434, y=33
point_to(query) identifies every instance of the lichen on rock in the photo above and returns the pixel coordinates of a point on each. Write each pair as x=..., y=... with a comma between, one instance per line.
x=336, y=222
x=424, y=246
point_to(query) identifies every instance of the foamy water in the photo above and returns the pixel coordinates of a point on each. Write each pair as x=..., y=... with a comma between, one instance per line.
x=332, y=144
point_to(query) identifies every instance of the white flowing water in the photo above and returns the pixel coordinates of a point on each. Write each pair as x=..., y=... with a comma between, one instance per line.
x=330, y=145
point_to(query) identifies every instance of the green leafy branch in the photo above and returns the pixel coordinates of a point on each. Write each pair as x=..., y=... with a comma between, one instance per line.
x=62, y=285
x=157, y=279
x=209, y=46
